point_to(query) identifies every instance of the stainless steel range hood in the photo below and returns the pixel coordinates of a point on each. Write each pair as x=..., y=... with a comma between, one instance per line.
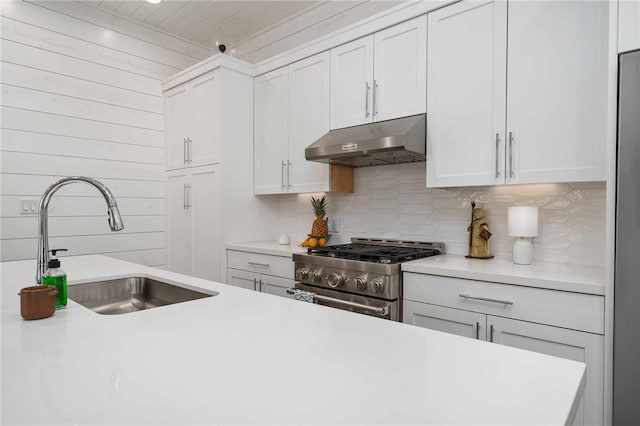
x=402, y=140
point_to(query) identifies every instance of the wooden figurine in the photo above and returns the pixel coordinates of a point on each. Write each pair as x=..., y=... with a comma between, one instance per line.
x=479, y=234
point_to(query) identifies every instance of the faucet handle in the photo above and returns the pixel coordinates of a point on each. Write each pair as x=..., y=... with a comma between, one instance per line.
x=53, y=251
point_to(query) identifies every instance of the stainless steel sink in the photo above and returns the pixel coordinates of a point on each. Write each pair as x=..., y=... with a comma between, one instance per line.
x=131, y=294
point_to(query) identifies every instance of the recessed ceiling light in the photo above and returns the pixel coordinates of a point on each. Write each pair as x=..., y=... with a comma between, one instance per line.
x=154, y=1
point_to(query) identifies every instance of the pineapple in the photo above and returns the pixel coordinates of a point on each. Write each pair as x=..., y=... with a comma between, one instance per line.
x=319, y=227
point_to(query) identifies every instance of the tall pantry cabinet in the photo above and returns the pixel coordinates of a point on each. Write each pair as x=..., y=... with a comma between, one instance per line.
x=209, y=146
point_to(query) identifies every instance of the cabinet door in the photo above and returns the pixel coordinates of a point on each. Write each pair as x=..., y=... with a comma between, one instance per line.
x=178, y=223
x=244, y=279
x=466, y=94
x=454, y=321
x=400, y=70
x=176, y=103
x=270, y=132
x=351, y=83
x=203, y=201
x=308, y=121
x=563, y=343
x=204, y=129
x=276, y=285
x=557, y=91
x=628, y=25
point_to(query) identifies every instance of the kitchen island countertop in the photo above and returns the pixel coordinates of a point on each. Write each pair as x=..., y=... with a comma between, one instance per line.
x=245, y=357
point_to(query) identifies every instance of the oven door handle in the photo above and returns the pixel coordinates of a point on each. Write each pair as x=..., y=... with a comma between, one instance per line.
x=383, y=311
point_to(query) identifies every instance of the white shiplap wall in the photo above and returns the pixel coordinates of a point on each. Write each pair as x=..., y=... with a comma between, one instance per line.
x=81, y=96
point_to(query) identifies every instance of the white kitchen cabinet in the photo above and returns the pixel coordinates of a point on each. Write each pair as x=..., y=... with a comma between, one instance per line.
x=569, y=344
x=400, y=70
x=192, y=123
x=558, y=323
x=351, y=83
x=270, y=137
x=453, y=321
x=212, y=101
x=260, y=272
x=466, y=102
x=291, y=112
x=381, y=76
x=193, y=225
x=551, y=57
x=628, y=25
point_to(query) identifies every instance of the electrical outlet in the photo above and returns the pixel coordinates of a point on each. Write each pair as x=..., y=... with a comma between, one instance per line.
x=335, y=223
x=28, y=206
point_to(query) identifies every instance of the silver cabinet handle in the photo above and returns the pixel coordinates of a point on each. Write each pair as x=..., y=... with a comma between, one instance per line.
x=491, y=333
x=511, y=154
x=375, y=98
x=366, y=99
x=477, y=330
x=486, y=299
x=184, y=150
x=188, y=195
x=383, y=311
x=497, y=155
x=288, y=174
x=282, y=174
x=184, y=196
x=255, y=284
x=264, y=265
x=190, y=149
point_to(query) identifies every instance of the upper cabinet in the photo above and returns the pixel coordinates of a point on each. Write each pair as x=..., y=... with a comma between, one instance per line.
x=552, y=58
x=628, y=25
x=291, y=112
x=381, y=76
x=192, y=119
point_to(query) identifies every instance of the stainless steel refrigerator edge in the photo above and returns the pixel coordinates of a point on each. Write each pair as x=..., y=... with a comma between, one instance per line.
x=626, y=336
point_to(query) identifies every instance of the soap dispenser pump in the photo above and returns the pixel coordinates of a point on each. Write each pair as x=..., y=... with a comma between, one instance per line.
x=56, y=277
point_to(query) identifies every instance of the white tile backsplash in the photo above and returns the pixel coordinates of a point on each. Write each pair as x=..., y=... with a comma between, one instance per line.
x=393, y=202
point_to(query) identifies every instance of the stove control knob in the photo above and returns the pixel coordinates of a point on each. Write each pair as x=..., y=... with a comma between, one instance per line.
x=360, y=283
x=377, y=286
x=335, y=280
x=301, y=274
x=316, y=276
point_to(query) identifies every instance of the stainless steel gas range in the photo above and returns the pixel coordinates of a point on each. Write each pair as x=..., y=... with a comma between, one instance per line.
x=362, y=277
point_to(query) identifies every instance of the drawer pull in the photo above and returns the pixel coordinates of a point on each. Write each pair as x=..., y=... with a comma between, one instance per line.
x=486, y=299
x=264, y=265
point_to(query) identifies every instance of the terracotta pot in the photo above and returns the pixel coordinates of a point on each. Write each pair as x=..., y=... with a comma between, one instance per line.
x=37, y=302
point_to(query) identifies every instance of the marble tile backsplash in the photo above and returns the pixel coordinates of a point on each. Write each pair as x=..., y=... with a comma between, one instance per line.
x=393, y=202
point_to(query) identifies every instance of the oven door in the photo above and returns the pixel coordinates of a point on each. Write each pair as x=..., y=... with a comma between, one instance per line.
x=386, y=309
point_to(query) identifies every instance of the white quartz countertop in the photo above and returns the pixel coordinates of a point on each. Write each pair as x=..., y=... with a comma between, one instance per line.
x=268, y=247
x=554, y=276
x=243, y=357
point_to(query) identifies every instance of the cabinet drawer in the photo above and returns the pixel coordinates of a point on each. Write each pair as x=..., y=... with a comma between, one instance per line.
x=262, y=263
x=576, y=311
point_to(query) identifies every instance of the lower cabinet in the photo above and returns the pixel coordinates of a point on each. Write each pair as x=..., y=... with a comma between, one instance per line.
x=425, y=296
x=193, y=222
x=253, y=272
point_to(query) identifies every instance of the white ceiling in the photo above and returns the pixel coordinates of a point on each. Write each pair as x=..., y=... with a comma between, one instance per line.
x=234, y=22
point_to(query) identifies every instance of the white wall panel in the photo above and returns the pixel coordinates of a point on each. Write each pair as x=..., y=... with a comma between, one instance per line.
x=35, y=185
x=42, y=122
x=81, y=96
x=19, y=162
x=40, y=16
x=35, y=100
x=78, y=48
x=21, y=54
x=41, y=143
x=46, y=81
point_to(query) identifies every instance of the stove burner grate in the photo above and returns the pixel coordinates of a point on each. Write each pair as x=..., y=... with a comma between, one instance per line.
x=374, y=253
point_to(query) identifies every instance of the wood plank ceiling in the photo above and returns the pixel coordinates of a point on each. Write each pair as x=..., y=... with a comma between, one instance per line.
x=235, y=22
